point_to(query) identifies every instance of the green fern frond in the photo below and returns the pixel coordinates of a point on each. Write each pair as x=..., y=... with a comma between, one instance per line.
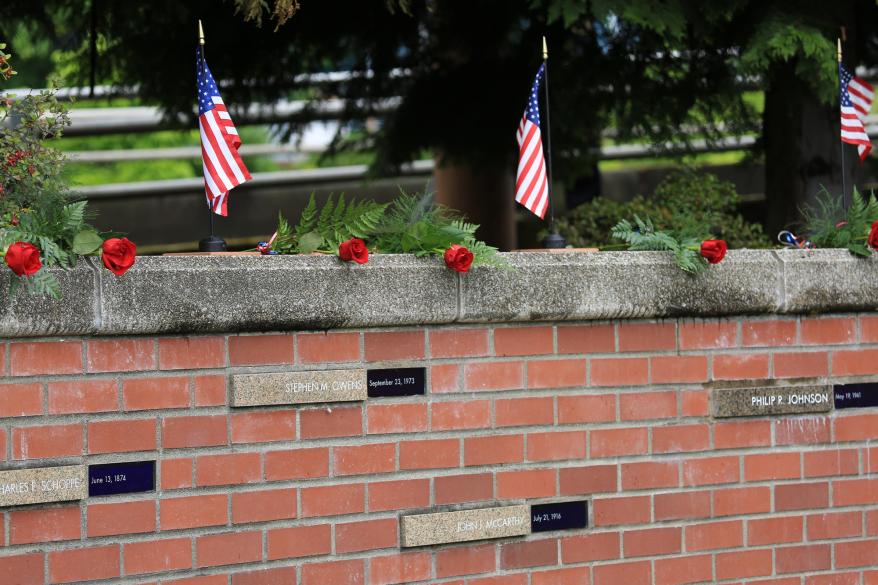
x=308, y=220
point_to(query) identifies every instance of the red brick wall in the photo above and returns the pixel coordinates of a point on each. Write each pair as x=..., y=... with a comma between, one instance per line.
x=616, y=413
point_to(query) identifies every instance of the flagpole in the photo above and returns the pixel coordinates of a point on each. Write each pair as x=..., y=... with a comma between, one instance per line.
x=554, y=239
x=844, y=191
x=211, y=243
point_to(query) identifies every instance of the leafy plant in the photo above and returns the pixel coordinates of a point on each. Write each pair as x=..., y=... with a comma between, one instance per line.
x=643, y=235
x=337, y=222
x=828, y=226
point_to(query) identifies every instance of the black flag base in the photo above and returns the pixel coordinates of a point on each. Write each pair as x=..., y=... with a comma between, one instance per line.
x=554, y=240
x=212, y=244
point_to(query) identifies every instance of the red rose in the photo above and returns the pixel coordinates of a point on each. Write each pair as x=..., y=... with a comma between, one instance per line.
x=118, y=255
x=458, y=258
x=23, y=258
x=873, y=236
x=713, y=250
x=354, y=249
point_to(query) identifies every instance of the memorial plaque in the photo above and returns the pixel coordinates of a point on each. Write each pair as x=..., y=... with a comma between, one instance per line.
x=40, y=485
x=464, y=525
x=121, y=478
x=729, y=402
x=558, y=516
x=397, y=382
x=298, y=387
x=860, y=395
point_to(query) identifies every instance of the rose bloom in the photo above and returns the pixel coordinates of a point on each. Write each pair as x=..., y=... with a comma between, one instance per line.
x=118, y=255
x=713, y=250
x=873, y=236
x=354, y=250
x=458, y=258
x=23, y=258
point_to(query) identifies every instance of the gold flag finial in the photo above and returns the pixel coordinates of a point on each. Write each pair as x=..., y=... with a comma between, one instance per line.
x=200, y=33
x=839, y=50
x=545, y=49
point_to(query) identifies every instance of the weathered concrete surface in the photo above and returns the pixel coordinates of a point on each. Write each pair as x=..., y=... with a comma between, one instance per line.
x=251, y=293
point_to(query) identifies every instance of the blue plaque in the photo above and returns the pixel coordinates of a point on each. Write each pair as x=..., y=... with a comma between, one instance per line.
x=396, y=382
x=856, y=395
x=558, y=516
x=121, y=478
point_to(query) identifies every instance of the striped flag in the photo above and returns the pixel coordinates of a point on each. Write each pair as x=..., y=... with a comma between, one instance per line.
x=531, y=182
x=856, y=100
x=223, y=168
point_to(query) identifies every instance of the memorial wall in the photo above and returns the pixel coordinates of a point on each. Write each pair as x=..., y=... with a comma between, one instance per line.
x=581, y=419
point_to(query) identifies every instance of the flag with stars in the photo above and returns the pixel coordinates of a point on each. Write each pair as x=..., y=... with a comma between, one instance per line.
x=856, y=100
x=531, y=182
x=223, y=168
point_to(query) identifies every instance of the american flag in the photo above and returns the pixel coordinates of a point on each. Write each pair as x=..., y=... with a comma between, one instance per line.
x=223, y=168
x=531, y=183
x=856, y=100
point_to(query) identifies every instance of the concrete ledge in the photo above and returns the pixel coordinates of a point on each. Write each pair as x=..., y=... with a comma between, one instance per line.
x=191, y=294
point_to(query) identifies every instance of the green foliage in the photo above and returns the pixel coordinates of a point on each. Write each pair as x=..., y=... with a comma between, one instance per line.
x=828, y=226
x=336, y=222
x=644, y=236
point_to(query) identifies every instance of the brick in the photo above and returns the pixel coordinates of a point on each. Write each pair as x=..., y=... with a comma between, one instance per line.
x=465, y=560
x=364, y=459
x=299, y=541
x=530, y=483
x=120, y=518
x=681, y=438
x=210, y=391
x=854, y=492
x=740, y=366
x=695, y=402
x=714, y=535
x=708, y=334
x=801, y=496
x=652, y=541
x=156, y=556
x=778, y=530
x=587, y=480
x=493, y=375
x=861, y=427
x=634, y=573
x=862, y=553
x=263, y=505
x=48, y=441
x=872, y=522
x=429, y=454
x=191, y=353
x=678, y=369
x=647, y=336
x=399, y=494
x=25, y=569
x=322, y=423
x=122, y=436
x=297, y=464
x=736, y=435
x=457, y=489
x=237, y=579
x=647, y=405
x=444, y=378
x=328, y=347
x=395, y=345
x=263, y=427
x=739, y=501
x=834, y=525
x=385, y=419
x=681, y=570
x=682, y=505
x=228, y=469
x=650, y=475
x=279, y=576
x=586, y=409
x=619, y=372
x=748, y=563
x=228, y=549
x=555, y=446
x=455, y=343
x=81, y=396
x=470, y=414
x=829, y=463
x=556, y=373
x=533, y=553
x=348, y=572
x=515, y=412
x=84, y=564
x=194, y=512
x=510, y=579
x=130, y=354
x=333, y=500
x=180, y=432
x=767, y=466
x=366, y=535
x=828, y=331
x=617, y=442
x=512, y=341
x=799, y=559
x=400, y=568
x=585, y=548
x=834, y=578
x=176, y=473
x=257, y=350
x=621, y=510
x=45, y=358
x=494, y=449
x=802, y=431
x=768, y=333
x=801, y=364
x=571, y=576
x=21, y=400
x=855, y=362
x=155, y=393
x=587, y=338
x=44, y=525
x=868, y=329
